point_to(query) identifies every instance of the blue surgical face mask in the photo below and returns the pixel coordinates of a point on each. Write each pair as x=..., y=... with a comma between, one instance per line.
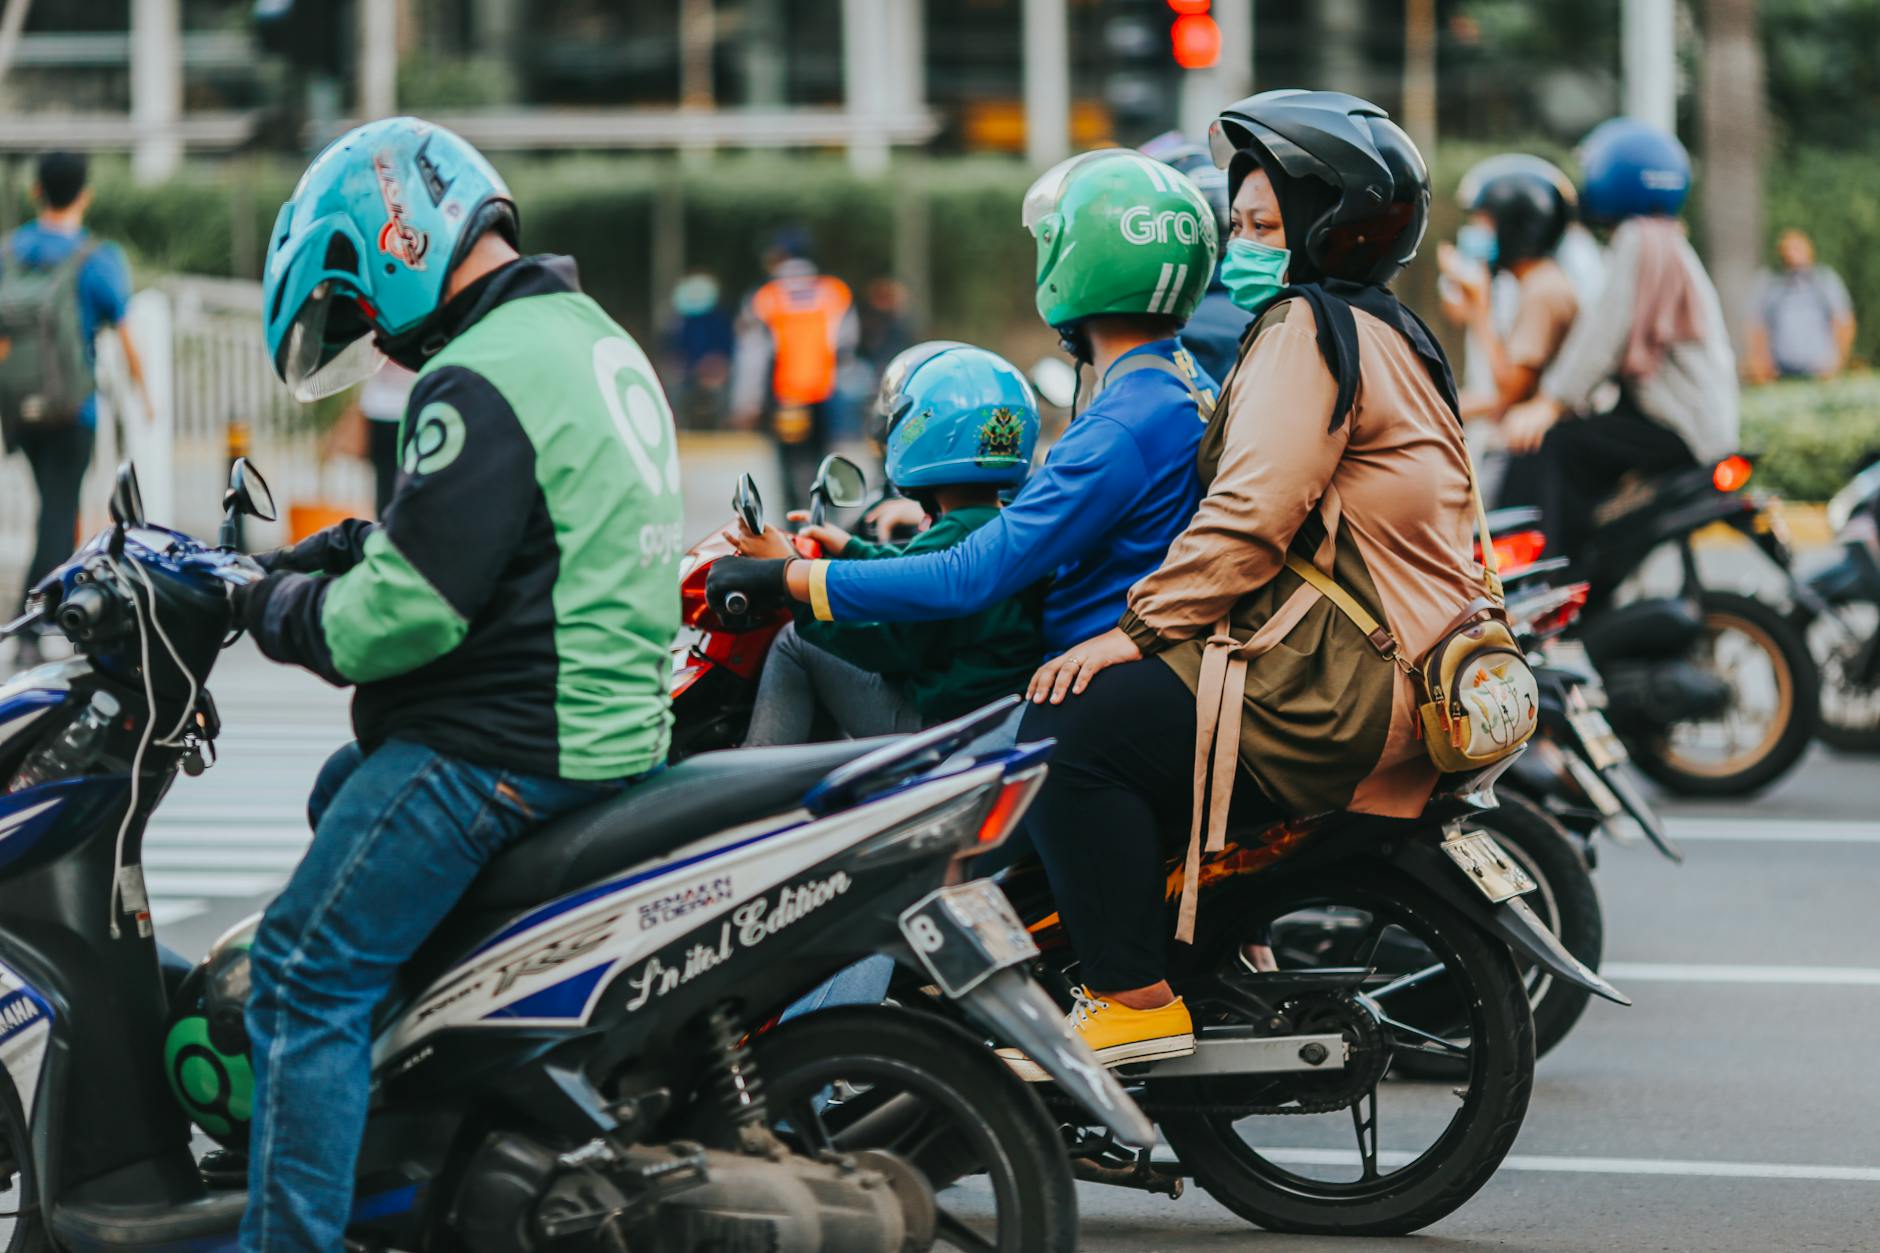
x=1253, y=272
x=1477, y=242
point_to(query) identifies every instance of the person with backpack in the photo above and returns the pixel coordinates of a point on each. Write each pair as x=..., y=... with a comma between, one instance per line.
x=59, y=286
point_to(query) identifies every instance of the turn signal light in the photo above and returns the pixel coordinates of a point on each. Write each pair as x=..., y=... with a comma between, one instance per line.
x=1013, y=799
x=1516, y=549
x=1731, y=473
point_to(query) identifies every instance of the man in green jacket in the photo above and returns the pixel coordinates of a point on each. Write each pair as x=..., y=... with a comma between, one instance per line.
x=506, y=625
x=961, y=427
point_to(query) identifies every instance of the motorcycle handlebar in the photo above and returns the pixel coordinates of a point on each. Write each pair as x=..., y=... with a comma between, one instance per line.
x=84, y=611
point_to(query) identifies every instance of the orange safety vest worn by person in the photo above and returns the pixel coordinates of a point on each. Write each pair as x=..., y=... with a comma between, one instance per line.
x=804, y=314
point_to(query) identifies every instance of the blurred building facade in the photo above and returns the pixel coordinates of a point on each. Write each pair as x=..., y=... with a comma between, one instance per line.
x=1040, y=77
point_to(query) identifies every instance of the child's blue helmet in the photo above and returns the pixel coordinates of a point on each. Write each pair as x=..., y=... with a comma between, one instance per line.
x=957, y=414
x=362, y=250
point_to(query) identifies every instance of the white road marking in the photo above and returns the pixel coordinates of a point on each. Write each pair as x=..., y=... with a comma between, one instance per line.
x=174, y=883
x=1675, y=972
x=1686, y=1169
x=1773, y=830
x=174, y=909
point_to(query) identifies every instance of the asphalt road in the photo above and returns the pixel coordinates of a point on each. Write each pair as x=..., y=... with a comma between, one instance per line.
x=1733, y=1107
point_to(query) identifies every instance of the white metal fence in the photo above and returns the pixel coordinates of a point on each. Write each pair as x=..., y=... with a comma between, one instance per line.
x=209, y=379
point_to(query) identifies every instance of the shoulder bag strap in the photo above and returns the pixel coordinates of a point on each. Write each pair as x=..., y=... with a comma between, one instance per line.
x=1204, y=399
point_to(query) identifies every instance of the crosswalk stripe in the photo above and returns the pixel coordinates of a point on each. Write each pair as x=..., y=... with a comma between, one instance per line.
x=1773, y=830
x=1693, y=972
x=213, y=883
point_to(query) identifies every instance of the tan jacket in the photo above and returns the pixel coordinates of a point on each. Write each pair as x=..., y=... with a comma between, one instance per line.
x=1323, y=721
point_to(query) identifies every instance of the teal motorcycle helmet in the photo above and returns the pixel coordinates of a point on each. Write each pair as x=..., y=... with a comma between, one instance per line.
x=956, y=414
x=361, y=252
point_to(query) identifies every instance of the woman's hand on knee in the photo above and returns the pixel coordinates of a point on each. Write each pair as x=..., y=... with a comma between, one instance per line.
x=1070, y=673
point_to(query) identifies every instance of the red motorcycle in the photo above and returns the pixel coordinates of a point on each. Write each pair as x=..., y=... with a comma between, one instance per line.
x=717, y=660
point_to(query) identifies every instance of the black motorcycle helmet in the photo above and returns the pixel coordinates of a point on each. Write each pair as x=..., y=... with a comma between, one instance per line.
x=1531, y=201
x=1352, y=187
x=1173, y=148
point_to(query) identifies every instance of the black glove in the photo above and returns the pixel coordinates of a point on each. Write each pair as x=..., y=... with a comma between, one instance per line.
x=742, y=589
x=248, y=600
x=335, y=550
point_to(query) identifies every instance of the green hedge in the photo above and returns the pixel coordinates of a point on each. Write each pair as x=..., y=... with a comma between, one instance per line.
x=1811, y=436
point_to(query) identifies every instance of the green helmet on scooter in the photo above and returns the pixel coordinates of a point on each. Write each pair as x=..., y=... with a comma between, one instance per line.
x=1119, y=233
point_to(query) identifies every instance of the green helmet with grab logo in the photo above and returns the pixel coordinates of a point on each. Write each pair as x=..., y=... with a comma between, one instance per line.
x=1119, y=233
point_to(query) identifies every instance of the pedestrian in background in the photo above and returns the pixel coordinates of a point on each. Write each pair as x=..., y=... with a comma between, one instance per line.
x=1803, y=324
x=793, y=336
x=59, y=286
x=699, y=348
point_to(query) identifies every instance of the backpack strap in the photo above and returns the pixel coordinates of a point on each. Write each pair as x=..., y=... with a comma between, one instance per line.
x=1182, y=368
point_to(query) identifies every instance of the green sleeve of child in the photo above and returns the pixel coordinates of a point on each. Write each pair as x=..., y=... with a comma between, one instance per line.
x=888, y=648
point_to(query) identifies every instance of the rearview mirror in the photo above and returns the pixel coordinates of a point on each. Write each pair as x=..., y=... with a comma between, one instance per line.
x=1056, y=380
x=841, y=482
x=748, y=504
x=127, y=499
x=248, y=492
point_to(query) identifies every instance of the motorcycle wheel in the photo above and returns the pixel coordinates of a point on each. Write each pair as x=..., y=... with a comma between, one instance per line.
x=1566, y=901
x=876, y=1077
x=21, y=1225
x=1490, y=1029
x=1673, y=759
x=1850, y=711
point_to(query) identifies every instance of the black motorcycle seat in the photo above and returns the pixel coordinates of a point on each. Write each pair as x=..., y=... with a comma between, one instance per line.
x=686, y=802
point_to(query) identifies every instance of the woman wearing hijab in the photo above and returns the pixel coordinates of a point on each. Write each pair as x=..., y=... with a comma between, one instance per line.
x=1336, y=441
x=1646, y=380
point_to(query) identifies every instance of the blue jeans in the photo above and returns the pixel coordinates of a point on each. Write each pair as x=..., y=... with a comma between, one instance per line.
x=398, y=836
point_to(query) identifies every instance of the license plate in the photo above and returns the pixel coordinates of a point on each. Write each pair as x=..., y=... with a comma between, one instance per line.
x=966, y=933
x=1497, y=875
x=1602, y=747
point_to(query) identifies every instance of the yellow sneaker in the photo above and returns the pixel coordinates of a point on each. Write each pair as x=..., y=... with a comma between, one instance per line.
x=1117, y=1034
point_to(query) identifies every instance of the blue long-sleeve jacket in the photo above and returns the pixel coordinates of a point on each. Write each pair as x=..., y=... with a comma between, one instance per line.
x=1100, y=513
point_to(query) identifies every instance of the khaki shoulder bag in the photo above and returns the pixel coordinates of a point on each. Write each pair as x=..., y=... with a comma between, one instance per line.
x=1476, y=696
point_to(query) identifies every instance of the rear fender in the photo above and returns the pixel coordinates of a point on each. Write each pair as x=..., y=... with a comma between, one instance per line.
x=1512, y=922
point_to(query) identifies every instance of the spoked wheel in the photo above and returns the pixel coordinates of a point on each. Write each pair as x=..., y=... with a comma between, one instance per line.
x=1774, y=689
x=1420, y=1151
x=1566, y=901
x=875, y=1077
x=22, y=1230
x=1850, y=708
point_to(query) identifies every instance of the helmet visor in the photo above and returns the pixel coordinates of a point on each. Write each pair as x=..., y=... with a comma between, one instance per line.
x=329, y=346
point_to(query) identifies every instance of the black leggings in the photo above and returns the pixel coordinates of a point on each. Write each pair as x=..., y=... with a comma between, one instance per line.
x=1114, y=807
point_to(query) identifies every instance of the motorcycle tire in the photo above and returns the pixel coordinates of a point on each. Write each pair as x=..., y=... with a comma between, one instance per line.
x=1479, y=1135
x=1798, y=684
x=1566, y=900
x=1000, y=1127
x=1845, y=736
x=22, y=1227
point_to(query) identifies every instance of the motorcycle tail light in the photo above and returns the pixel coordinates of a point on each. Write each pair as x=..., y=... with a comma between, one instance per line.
x=1516, y=549
x=1007, y=808
x=1732, y=473
x=1559, y=610
x=693, y=609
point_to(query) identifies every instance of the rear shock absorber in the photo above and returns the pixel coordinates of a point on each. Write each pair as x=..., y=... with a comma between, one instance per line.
x=740, y=1090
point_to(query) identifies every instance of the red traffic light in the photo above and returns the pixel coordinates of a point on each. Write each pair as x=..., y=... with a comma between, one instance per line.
x=1194, y=8
x=1196, y=40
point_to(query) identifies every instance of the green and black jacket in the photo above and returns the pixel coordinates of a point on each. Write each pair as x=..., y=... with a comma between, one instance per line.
x=951, y=667
x=517, y=604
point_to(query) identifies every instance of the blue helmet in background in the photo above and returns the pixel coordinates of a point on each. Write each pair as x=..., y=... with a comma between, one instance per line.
x=362, y=250
x=957, y=414
x=1632, y=169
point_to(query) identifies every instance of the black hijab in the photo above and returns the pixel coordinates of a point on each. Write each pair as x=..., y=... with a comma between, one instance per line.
x=1302, y=202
